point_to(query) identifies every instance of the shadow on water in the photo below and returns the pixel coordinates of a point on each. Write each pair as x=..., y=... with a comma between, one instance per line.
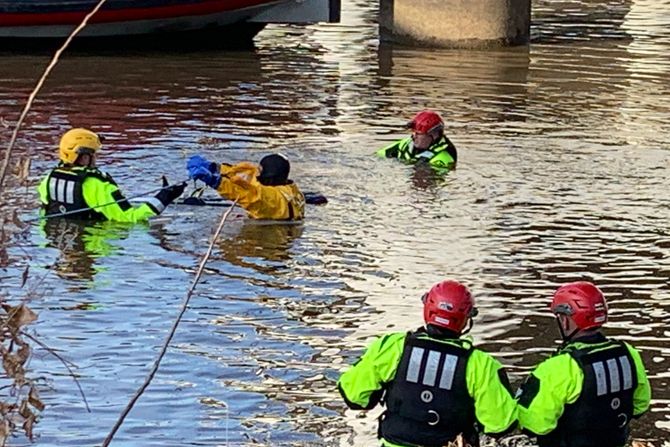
x=572, y=21
x=235, y=37
x=470, y=75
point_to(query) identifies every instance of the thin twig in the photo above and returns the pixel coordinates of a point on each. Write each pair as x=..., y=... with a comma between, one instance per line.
x=39, y=85
x=32, y=292
x=64, y=362
x=184, y=305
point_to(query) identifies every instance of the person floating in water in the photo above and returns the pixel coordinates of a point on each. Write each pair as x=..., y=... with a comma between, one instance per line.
x=264, y=190
x=427, y=143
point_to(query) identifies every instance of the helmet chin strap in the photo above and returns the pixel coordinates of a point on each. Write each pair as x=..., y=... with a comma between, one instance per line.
x=566, y=337
x=468, y=328
x=89, y=160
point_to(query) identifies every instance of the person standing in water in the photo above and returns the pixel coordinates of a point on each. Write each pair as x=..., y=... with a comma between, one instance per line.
x=434, y=384
x=77, y=187
x=427, y=143
x=589, y=391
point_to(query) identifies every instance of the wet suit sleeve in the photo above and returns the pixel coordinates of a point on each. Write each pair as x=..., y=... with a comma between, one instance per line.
x=642, y=394
x=555, y=383
x=362, y=385
x=392, y=150
x=237, y=184
x=42, y=190
x=495, y=407
x=98, y=192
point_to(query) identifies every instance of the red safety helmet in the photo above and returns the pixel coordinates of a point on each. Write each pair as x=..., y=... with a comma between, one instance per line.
x=426, y=121
x=448, y=304
x=583, y=302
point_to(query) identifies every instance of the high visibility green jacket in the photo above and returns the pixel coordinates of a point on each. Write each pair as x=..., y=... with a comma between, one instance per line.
x=485, y=385
x=585, y=395
x=441, y=154
x=71, y=188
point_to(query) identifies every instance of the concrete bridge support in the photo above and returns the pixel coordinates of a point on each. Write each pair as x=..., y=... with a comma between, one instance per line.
x=455, y=23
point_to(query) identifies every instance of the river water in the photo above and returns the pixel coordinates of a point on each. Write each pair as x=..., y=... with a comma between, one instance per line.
x=562, y=175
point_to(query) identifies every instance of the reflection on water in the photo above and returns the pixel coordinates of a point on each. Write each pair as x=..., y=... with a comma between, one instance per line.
x=563, y=156
x=79, y=244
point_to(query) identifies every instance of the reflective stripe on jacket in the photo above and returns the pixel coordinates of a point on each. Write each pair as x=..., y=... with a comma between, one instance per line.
x=363, y=385
x=441, y=154
x=283, y=202
x=585, y=395
x=67, y=189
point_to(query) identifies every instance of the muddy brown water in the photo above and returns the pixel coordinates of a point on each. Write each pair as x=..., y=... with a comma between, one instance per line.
x=563, y=175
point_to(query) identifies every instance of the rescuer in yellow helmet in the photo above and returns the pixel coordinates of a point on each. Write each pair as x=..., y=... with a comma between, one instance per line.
x=77, y=187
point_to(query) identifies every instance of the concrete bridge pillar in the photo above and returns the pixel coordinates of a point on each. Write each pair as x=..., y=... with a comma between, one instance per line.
x=455, y=23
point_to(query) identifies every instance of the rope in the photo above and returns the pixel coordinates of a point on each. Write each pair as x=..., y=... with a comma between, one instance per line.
x=154, y=369
x=37, y=88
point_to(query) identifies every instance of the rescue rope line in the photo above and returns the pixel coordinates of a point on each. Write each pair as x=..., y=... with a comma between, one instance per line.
x=38, y=87
x=81, y=210
x=184, y=306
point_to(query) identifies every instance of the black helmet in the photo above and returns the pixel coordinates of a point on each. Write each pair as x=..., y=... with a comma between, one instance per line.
x=274, y=170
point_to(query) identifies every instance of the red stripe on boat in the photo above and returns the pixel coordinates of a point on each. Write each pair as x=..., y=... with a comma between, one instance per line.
x=127, y=14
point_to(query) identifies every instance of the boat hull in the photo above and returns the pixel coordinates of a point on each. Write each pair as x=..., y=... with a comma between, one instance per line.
x=50, y=19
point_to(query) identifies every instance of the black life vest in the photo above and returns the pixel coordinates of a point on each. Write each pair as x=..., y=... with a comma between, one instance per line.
x=427, y=403
x=600, y=417
x=65, y=192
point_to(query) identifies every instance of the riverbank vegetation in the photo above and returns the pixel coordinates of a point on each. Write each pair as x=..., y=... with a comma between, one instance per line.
x=20, y=403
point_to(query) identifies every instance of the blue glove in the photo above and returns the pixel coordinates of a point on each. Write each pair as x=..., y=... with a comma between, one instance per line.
x=199, y=168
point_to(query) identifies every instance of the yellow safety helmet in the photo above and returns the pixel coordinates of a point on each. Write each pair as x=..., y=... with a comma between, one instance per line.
x=76, y=141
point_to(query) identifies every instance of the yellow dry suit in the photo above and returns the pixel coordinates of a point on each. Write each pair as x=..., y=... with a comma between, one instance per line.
x=283, y=202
